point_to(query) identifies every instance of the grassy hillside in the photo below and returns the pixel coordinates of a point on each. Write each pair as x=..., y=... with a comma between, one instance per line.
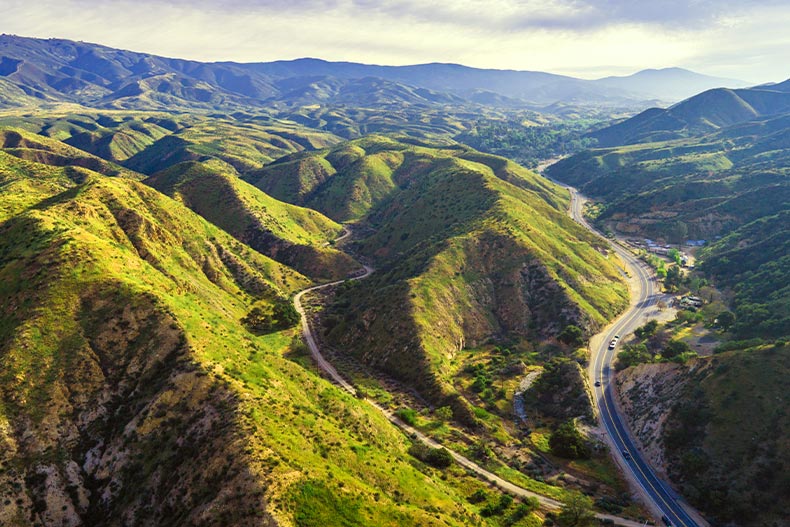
x=754, y=261
x=712, y=183
x=703, y=113
x=152, y=141
x=733, y=184
x=111, y=135
x=722, y=430
x=469, y=248
x=294, y=236
x=244, y=144
x=131, y=391
x=31, y=147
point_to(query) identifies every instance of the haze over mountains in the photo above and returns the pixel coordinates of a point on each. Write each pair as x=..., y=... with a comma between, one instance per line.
x=67, y=71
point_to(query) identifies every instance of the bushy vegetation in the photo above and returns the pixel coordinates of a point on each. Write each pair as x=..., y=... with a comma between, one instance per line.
x=436, y=457
x=566, y=441
x=559, y=391
x=729, y=469
x=121, y=301
x=656, y=343
x=276, y=316
x=730, y=183
x=528, y=142
x=754, y=262
x=576, y=511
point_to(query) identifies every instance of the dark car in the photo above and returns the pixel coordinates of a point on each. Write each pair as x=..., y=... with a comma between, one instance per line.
x=666, y=521
x=597, y=383
x=626, y=454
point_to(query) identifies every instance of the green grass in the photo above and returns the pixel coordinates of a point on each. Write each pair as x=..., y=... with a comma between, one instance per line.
x=460, y=239
x=293, y=235
x=111, y=271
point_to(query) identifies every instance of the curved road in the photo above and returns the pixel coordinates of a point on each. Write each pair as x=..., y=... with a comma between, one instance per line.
x=664, y=500
x=465, y=462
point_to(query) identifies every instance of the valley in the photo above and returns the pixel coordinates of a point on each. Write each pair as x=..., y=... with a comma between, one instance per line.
x=313, y=293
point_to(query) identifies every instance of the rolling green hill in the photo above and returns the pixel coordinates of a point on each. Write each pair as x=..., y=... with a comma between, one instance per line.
x=712, y=183
x=706, y=112
x=471, y=248
x=130, y=389
x=148, y=142
x=31, y=147
x=292, y=235
x=733, y=183
x=244, y=144
x=754, y=260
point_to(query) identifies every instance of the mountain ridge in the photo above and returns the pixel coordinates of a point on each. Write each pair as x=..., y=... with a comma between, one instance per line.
x=62, y=70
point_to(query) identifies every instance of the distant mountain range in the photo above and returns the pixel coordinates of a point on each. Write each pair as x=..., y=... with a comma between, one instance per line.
x=668, y=83
x=34, y=71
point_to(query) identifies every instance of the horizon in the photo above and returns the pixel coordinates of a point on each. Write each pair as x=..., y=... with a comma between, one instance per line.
x=590, y=39
x=321, y=59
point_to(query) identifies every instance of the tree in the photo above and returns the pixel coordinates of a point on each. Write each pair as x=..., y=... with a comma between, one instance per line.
x=576, y=511
x=631, y=355
x=439, y=458
x=264, y=319
x=675, y=348
x=285, y=314
x=679, y=231
x=673, y=278
x=726, y=320
x=436, y=457
x=646, y=331
x=674, y=255
x=566, y=441
x=572, y=336
x=444, y=413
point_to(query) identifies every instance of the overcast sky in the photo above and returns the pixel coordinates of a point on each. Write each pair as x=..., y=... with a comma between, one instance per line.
x=746, y=39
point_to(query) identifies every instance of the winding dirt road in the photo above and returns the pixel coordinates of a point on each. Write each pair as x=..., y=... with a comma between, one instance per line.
x=515, y=490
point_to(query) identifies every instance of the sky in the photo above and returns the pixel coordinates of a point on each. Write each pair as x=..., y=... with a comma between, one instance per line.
x=745, y=39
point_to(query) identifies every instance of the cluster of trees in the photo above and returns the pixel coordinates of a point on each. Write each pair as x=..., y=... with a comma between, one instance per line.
x=651, y=346
x=572, y=336
x=559, y=391
x=528, y=144
x=263, y=319
x=500, y=505
x=500, y=365
x=436, y=457
x=568, y=442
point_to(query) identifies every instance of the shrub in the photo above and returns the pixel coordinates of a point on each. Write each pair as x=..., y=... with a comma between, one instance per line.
x=407, y=415
x=478, y=496
x=675, y=348
x=566, y=441
x=572, y=336
x=436, y=457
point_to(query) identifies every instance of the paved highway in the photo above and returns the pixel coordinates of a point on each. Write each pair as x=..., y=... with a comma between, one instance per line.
x=664, y=500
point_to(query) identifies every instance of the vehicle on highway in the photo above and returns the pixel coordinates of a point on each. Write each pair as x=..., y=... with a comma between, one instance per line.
x=597, y=383
x=626, y=454
x=616, y=337
x=666, y=521
x=612, y=344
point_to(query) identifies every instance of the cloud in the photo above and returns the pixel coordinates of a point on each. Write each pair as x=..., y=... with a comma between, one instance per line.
x=569, y=36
